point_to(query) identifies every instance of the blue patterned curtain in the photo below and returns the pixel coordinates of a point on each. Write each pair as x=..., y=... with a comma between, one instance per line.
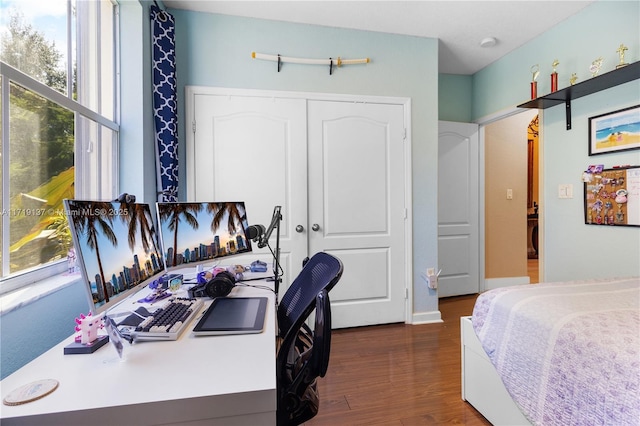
x=165, y=103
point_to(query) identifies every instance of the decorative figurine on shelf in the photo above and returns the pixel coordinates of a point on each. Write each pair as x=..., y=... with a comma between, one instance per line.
x=554, y=76
x=535, y=71
x=620, y=52
x=595, y=66
x=71, y=260
x=573, y=79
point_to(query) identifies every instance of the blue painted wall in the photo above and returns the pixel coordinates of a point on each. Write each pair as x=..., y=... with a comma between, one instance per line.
x=572, y=250
x=215, y=50
x=29, y=331
x=454, y=97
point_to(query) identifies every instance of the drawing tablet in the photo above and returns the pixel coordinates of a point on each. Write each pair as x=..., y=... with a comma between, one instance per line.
x=233, y=315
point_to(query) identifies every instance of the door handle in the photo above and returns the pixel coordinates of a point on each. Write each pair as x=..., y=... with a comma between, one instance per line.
x=299, y=229
x=315, y=227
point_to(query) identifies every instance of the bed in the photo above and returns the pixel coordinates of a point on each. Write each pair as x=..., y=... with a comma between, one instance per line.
x=555, y=353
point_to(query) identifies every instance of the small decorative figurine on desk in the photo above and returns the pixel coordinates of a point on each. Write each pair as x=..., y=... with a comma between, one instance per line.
x=554, y=76
x=535, y=71
x=595, y=66
x=87, y=328
x=620, y=52
x=158, y=293
x=87, y=340
x=237, y=271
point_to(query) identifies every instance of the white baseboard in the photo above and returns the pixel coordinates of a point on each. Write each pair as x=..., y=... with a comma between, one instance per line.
x=426, y=318
x=491, y=283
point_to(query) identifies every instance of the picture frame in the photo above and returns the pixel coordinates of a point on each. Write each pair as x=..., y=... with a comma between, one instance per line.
x=615, y=131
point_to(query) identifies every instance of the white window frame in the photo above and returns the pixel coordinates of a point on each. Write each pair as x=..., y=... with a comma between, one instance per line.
x=86, y=181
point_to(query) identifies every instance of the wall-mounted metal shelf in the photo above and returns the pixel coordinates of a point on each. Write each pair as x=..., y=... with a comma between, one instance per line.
x=595, y=84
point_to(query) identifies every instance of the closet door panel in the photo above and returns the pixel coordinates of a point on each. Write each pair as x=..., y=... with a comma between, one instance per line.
x=357, y=199
x=254, y=149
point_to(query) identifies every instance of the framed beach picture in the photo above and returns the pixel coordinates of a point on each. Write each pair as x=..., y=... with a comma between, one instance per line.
x=615, y=131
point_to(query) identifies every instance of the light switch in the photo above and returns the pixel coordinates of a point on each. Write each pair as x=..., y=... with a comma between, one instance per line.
x=509, y=194
x=565, y=190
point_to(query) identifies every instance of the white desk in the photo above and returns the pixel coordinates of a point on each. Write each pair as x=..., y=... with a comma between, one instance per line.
x=212, y=380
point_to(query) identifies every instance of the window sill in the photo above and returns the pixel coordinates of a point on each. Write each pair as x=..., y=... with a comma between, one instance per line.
x=30, y=293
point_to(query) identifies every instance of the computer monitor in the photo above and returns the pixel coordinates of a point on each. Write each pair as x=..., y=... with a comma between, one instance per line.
x=117, y=249
x=196, y=232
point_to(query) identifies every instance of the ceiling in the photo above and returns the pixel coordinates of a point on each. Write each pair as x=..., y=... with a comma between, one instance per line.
x=459, y=25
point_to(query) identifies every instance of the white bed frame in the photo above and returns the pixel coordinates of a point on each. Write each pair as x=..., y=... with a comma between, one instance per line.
x=481, y=385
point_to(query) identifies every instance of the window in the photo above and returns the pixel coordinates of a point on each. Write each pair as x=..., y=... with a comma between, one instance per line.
x=59, y=135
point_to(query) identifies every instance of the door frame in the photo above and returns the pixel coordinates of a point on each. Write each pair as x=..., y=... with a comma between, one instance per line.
x=192, y=91
x=482, y=123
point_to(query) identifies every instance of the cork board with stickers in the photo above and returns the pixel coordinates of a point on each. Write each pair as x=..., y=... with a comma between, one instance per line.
x=612, y=197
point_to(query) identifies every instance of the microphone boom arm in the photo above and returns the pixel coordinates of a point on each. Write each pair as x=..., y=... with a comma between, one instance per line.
x=275, y=221
x=263, y=241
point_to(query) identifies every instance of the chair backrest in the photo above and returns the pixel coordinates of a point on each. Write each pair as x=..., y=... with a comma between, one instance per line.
x=322, y=271
x=302, y=358
x=321, y=335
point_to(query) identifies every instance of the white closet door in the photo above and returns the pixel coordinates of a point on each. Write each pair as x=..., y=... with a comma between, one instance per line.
x=357, y=200
x=253, y=149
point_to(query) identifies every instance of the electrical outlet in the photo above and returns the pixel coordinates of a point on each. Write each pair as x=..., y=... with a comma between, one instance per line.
x=433, y=281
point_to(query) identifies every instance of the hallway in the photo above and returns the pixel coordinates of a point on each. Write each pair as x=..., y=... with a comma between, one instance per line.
x=532, y=271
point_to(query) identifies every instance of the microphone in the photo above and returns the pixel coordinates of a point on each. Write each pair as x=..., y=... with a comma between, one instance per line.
x=254, y=232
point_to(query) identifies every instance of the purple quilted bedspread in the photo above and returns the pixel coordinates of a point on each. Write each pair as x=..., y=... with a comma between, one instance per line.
x=568, y=353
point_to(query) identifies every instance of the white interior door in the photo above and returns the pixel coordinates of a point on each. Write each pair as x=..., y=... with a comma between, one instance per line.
x=357, y=208
x=253, y=149
x=340, y=165
x=458, y=192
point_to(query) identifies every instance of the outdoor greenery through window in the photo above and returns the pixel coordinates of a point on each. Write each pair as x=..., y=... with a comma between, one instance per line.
x=59, y=135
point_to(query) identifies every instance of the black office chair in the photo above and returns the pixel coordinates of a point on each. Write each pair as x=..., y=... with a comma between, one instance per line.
x=321, y=271
x=302, y=358
x=303, y=355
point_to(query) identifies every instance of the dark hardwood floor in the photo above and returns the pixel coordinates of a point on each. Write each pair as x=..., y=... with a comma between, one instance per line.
x=398, y=374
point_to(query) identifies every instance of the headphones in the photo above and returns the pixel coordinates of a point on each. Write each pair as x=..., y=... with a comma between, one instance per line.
x=218, y=286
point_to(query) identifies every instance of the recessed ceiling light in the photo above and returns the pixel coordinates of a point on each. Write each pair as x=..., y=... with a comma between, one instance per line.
x=488, y=42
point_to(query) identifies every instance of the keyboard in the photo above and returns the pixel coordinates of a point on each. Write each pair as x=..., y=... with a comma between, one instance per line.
x=167, y=322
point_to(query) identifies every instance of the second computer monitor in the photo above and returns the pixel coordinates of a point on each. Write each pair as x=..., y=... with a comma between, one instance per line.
x=199, y=231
